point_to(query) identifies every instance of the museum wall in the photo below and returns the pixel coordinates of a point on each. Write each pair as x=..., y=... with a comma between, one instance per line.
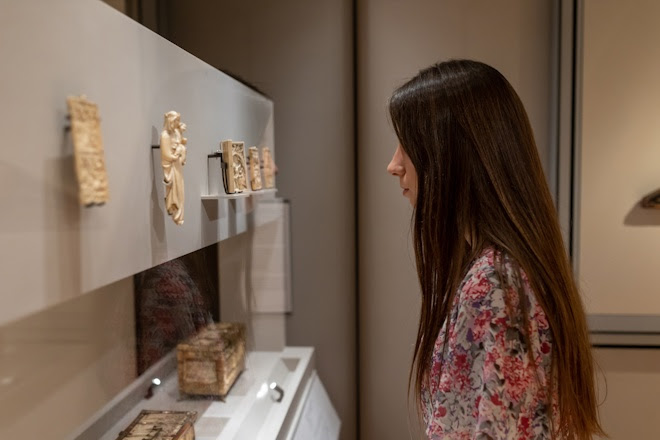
x=299, y=52
x=618, y=242
x=61, y=365
x=620, y=159
x=628, y=390
x=395, y=40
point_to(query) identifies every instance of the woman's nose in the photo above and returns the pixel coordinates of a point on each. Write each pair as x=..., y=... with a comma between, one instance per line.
x=395, y=167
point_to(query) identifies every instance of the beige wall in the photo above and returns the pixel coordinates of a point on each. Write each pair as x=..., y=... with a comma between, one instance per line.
x=628, y=391
x=299, y=52
x=619, y=242
x=59, y=366
x=395, y=40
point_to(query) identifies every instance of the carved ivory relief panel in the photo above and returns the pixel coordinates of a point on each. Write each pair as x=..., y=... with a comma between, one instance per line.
x=269, y=168
x=235, y=171
x=173, y=158
x=255, y=169
x=88, y=151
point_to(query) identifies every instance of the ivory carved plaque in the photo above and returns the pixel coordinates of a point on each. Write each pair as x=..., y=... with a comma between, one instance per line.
x=255, y=169
x=235, y=171
x=269, y=168
x=88, y=151
x=173, y=158
x=161, y=425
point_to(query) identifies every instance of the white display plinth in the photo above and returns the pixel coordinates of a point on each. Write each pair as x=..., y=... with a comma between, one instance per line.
x=247, y=412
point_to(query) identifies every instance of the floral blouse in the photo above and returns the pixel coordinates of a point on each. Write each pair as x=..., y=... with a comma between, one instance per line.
x=484, y=386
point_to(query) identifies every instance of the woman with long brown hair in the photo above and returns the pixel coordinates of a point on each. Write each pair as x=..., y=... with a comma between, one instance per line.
x=502, y=349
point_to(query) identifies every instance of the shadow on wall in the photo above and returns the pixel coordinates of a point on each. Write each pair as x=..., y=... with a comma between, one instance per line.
x=640, y=216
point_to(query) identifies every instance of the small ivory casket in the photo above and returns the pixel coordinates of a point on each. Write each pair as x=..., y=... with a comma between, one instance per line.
x=209, y=362
x=161, y=425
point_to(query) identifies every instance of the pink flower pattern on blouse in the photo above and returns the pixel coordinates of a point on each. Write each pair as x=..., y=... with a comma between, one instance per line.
x=484, y=386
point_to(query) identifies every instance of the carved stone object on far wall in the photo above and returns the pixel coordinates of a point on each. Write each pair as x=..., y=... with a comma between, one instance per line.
x=173, y=158
x=161, y=425
x=269, y=168
x=235, y=171
x=255, y=169
x=88, y=151
x=652, y=200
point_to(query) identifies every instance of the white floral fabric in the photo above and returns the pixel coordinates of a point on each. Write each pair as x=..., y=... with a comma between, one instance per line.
x=484, y=385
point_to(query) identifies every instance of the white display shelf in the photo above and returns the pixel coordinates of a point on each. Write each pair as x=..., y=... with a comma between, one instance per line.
x=245, y=194
x=248, y=411
x=225, y=196
x=264, y=192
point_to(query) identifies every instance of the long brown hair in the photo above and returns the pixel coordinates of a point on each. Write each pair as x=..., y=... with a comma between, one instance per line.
x=468, y=136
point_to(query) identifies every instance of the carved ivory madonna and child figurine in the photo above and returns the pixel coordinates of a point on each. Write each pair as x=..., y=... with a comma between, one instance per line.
x=234, y=170
x=255, y=169
x=173, y=158
x=269, y=168
x=88, y=151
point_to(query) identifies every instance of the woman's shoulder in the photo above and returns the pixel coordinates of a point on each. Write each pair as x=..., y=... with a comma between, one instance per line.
x=481, y=273
x=494, y=275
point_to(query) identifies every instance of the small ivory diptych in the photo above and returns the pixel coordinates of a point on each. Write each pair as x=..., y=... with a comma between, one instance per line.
x=235, y=171
x=269, y=168
x=255, y=169
x=88, y=151
x=173, y=158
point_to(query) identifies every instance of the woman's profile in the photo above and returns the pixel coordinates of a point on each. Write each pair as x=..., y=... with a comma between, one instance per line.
x=502, y=349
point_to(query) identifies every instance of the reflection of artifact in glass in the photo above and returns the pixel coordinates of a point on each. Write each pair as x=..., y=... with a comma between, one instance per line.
x=173, y=301
x=255, y=168
x=235, y=174
x=88, y=151
x=209, y=362
x=161, y=425
x=269, y=168
x=173, y=157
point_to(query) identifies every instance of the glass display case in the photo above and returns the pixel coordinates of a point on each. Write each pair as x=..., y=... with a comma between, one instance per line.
x=97, y=296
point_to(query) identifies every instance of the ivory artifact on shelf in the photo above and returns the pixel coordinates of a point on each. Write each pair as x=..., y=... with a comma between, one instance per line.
x=173, y=158
x=269, y=171
x=255, y=169
x=233, y=156
x=209, y=362
x=161, y=425
x=88, y=151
